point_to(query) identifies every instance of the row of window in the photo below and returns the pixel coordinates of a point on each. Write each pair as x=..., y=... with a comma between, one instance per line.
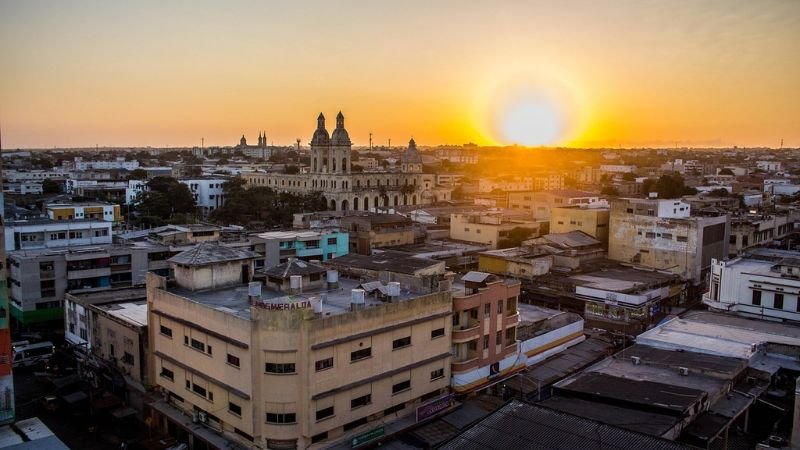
x=777, y=300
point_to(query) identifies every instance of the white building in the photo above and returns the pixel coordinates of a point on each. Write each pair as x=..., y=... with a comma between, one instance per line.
x=27, y=187
x=617, y=168
x=47, y=233
x=208, y=192
x=135, y=189
x=766, y=288
x=769, y=166
x=118, y=163
x=13, y=176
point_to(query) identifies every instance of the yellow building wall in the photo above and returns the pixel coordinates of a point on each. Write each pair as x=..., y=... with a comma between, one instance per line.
x=593, y=222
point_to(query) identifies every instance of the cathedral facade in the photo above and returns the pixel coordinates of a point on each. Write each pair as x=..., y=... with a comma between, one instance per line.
x=330, y=174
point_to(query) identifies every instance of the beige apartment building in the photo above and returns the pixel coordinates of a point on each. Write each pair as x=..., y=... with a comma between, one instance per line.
x=265, y=369
x=490, y=228
x=592, y=221
x=541, y=203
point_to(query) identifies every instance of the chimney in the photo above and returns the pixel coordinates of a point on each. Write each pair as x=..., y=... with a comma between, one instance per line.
x=254, y=292
x=357, y=299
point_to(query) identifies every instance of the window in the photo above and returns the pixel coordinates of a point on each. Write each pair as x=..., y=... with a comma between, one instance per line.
x=498, y=338
x=234, y=408
x=650, y=235
x=487, y=308
x=168, y=374
x=324, y=413
x=682, y=239
x=354, y=424
x=199, y=390
x=756, y=298
x=197, y=345
x=436, y=374
x=281, y=418
x=401, y=386
x=279, y=368
x=127, y=358
x=500, y=307
x=166, y=331
x=778, y=302
x=332, y=241
x=667, y=236
x=402, y=342
x=485, y=341
x=358, y=402
x=361, y=354
x=233, y=360
x=323, y=364
x=439, y=332
x=319, y=437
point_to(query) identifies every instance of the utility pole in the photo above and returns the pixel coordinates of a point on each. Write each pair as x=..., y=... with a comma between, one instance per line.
x=370, y=141
x=390, y=143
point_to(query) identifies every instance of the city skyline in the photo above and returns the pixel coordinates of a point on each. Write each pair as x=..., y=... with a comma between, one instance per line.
x=591, y=75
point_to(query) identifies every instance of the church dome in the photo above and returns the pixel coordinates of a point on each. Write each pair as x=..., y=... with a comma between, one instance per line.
x=411, y=155
x=340, y=137
x=320, y=134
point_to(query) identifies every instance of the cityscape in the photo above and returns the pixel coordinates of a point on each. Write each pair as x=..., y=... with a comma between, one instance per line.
x=449, y=225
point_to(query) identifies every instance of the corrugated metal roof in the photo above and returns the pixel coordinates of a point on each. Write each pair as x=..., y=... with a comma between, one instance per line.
x=523, y=425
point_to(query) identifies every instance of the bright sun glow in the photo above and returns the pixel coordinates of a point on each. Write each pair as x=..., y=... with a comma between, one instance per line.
x=531, y=120
x=532, y=109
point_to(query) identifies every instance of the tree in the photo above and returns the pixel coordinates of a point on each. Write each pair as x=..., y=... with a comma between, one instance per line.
x=51, y=187
x=262, y=205
x=164, y=198
x=291, y=169
x=407, y=189
x=609, y=190
x=458, y=193
x=515, y=237
x=668, y=186
x=137, y=174
x=629, y=176
x=718, y=193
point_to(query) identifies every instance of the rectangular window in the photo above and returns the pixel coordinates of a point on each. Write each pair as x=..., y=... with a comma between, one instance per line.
x=168, y=374
x=199, y=390
x=281, y=419
x=778, y=303
x=650, y=235
x=354, y=424
x=500, y=307
x=197, y=345
x=498, y=339
x=436, y=374
x=682, y=239
x=319, y=437
x=401, y=386
x=485, y=341
x=364, y=400
x=279, y=368
x=233, y=360
x=361, y=354
x=439, y=332
x=756, y=298
x=234, y=408
x=396, y=408
x=487, y=309
x=332, y=241
x=324, y=413
x=166, y=331
x=127, y=358
x=402, y=342
x=323, y=364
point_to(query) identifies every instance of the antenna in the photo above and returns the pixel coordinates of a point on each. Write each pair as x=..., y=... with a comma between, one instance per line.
x=370, y=141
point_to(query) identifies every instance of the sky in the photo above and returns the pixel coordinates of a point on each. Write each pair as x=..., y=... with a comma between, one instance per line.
x=593, y=73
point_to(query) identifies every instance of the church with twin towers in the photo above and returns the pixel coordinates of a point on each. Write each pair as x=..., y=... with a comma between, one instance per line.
x=330, y=174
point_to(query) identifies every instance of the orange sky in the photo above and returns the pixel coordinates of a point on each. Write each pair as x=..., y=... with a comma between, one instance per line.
x=627, y=73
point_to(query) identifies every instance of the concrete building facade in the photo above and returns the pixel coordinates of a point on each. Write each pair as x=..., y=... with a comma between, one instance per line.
x=592, y=221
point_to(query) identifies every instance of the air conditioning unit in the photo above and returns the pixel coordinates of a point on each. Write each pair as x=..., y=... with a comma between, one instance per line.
x=203, y=417
x=636, y=360
x=195, y=417
x=683, y=371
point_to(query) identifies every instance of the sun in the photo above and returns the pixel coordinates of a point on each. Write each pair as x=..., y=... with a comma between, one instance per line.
x=531, y=120
x=531, y=109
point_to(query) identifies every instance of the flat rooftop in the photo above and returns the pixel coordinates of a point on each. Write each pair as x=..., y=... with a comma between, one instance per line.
x=620, y=278
x=300, y=234
x=111, y=296
x=132, y=312
x=388, y=260
x=234, y=299
x=533, y=313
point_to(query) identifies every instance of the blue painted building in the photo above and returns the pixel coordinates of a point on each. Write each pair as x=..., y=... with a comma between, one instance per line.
x=308, y=245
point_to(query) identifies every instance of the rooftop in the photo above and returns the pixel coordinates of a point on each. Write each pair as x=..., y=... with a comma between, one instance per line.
x=48, y=221
x=293, y=267
x=388, y=260
x=234, y=299
x=524, y=425
x=111, y=296
x=207, y=253
x=299, y=234
x=134, y=312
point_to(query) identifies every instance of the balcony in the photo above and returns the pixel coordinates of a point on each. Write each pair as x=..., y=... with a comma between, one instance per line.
x=92, y=272
x=468, y=363
x=469, y=332
x=120, y=268
x=513, y=319
x=46, y=274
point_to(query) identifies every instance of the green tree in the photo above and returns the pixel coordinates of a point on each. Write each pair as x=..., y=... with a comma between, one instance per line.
x=291, y=169
x=51, y=187
x=164, y=198
x=629, y=176
x=719, y=193
x=137, y=174
x=668, y=186
x=609, y=190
